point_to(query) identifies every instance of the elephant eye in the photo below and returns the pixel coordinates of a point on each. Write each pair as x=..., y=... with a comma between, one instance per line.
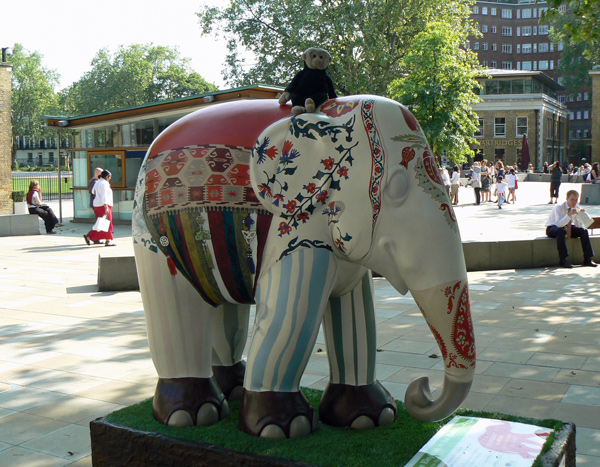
x=396, y=190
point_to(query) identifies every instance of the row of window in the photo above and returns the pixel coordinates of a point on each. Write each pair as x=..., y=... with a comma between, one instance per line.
x=507, y=31
x=579, y=115
x=521, y=125
x=527, y=65
x=579, y=96
x=585, y=134
x=507, y=13
x=528, y=48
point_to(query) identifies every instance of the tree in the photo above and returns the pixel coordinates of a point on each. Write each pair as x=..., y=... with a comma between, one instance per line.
x=579, y=24
x=134, y=75
x=367, y=39
x=439, y=88
x=33, y=95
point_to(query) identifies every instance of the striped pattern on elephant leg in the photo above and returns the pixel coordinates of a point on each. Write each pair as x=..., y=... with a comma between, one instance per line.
x=291, y=298
x=350, y=335
x=179, y=322
x=230, y=332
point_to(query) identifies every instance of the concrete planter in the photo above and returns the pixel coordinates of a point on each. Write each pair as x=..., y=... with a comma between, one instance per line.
x=20, y=207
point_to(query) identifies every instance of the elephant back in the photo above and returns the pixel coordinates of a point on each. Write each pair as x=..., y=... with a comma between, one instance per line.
x=198, y=203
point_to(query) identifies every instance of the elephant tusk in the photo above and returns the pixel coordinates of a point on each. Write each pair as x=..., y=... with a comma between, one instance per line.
x=419, y=403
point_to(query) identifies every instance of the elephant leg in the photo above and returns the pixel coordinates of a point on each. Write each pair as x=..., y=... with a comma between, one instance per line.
x=290, y=298
x=179, y=327
x=230, y=332
x=353, y=397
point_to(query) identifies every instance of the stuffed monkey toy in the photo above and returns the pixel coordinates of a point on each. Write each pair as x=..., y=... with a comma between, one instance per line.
x=311, y=86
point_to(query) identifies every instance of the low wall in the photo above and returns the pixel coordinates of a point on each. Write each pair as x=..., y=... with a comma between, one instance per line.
x=19, y=224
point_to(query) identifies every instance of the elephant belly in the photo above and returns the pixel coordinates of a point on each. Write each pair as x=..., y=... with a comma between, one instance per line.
x=202, y=212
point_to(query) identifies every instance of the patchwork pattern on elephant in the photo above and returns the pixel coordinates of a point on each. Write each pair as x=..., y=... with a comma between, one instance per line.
x=378, y=157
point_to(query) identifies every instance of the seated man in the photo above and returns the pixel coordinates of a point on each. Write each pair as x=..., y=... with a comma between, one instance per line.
x=563, y=219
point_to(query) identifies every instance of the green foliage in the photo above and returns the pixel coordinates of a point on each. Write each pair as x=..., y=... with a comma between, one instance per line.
x=18, y=196
x=133, y=76
x=386, y=446
x=438, y=88
x=33, y=94
x=578, y=24
x=367, y=39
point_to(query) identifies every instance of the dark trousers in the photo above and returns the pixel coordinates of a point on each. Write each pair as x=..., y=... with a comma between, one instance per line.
x=47, y=214
x=560, y=233
x=477, y=195
x=554, y=186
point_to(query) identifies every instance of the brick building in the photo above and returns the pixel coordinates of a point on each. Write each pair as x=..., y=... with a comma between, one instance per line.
x=514, y=39
x=6, y=204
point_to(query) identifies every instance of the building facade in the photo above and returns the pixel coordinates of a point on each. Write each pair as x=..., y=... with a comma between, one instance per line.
x=517, y=104
x=514, y=38
x=6, y=203
x=118, y=140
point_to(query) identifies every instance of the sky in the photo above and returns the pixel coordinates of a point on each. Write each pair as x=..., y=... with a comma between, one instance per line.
x=69, y=33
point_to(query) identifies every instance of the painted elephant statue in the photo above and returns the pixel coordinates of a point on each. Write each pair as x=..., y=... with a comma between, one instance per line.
x=242, y=203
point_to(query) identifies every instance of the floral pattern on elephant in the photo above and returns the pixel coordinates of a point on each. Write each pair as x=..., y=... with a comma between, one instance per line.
x=463, y=336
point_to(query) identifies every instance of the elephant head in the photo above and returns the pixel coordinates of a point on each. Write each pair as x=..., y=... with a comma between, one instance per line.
x=360, y=180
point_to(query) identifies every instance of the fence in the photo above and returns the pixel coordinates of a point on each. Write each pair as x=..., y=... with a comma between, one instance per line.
x=48, y=183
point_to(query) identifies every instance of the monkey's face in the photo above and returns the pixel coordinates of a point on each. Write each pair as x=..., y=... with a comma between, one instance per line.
x=316, y=59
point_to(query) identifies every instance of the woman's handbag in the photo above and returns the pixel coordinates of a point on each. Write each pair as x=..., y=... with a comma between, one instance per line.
x=102, y=224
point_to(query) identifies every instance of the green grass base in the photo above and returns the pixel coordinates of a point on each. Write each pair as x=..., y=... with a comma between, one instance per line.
x=392, y=445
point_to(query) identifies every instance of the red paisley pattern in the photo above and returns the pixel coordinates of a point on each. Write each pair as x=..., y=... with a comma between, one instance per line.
x=463, y=336
x=408, y=154
x=439, y=340
x=431, y=168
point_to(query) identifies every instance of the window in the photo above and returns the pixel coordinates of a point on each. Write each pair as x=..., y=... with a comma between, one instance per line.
x=494, y=46
x=507, y=65
x=526, y=65
x=480, y=128
x=526, y=13
x=571, y=134
x=543, y=47
x=578, y=97
x=586, y=134
x=500, y=126
x=578, y=134
x=518, y=65
x=494, y=64
x=526, y=48
x=586, y=114
x=543, y=65
x=475, y=10
x=543, y=29
x=506, y=13
x=493, y=11
x=484, y=10
x=579, y=115
x=571, y=99
x=484, y=28
x=493, y=29
x=571, y=116
x=484, y=46
x=30, y=158
x=518, y=31
x=506, y=30
x=521, y=126
x=484, y=63
x=562, y=98
x=535, y=65
x=475, y=45
x=113, y=161
x=586, y=96
x=518, y=48
x=552, y=64
x=560, y=80
x=506, y=48
x=51, y=157
x=534, y=48
x=560, y=46
x=526, y=31
x=535, y=30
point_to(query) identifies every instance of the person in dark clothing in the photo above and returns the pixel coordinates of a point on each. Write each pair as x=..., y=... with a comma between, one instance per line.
x=555, y=179
x=34, y=203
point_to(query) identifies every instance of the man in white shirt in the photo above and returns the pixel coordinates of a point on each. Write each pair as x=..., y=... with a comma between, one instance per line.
x=446, y=179
x=564, y=218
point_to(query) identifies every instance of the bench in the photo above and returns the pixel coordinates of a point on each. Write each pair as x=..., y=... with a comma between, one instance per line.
x=116, y=272
x=19, y=224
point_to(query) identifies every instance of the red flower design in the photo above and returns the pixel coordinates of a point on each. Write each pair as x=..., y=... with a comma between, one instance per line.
x=287, y=146
x=271, y=152
x=291, y=206
x=343, y=171
x=328, y=163
x=303, y=216
x=311, y=187
x=284, y=228
x=322, y=196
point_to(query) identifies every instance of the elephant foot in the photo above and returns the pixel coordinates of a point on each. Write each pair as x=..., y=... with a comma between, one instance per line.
x=189, y=402
x=277, y=414
x=310, y=105
x=231, y=379
x=357, y=407
x=298, y=109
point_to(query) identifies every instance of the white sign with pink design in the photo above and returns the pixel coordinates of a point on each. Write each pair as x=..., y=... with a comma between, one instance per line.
x=469, y=441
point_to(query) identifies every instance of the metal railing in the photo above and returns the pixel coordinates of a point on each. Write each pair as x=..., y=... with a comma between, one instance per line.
x=48, y=183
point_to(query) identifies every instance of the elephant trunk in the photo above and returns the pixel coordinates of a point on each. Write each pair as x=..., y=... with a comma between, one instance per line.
x=446, y=309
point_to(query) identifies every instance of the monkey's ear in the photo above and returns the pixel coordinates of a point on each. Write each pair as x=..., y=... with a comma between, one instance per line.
x=306, y=56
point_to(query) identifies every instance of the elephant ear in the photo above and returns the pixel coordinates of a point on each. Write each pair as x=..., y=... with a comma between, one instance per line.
x=312, y=171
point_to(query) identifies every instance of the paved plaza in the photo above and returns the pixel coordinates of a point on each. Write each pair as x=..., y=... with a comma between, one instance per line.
x=69, y=354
